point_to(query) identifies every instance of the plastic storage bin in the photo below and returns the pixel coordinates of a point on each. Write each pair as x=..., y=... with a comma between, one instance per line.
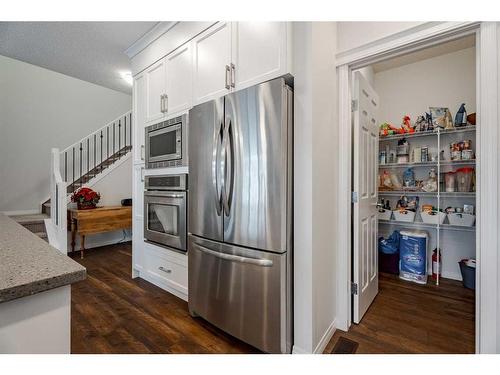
x=384, y=214
x=464, y=179
x=404, y=215
x=432, y=217
x=462, y=220
x=468, y=275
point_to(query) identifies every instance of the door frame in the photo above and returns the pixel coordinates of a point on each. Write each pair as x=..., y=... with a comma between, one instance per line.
x=423, y=36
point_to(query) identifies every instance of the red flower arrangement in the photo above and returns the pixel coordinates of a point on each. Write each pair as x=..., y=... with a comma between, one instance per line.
x=85, y=198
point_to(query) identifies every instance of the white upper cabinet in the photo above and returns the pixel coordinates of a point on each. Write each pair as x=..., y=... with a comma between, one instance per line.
x=179, y=75
x=155, y=83
x=259, y=52
x=212, y=58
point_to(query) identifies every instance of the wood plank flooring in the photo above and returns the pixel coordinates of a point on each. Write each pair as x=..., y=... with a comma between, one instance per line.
x=113, y=313
x=410, y=318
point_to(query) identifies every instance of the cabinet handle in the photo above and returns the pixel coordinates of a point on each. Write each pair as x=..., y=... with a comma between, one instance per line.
x=161, y=268
x=161, y=103
x=166, y=103
x=142, y=174
x=228, y=70
x=233, y=75
x=143, y=154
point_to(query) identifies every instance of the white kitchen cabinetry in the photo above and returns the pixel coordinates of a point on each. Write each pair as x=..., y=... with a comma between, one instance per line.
x=234, y=55
x=139, y=113
x=259, y=52
x=155, y=91
x=212, y=59
x=137, y=219
x=179, y=80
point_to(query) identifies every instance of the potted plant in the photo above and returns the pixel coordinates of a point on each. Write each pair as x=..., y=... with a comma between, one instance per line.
x=85, y=198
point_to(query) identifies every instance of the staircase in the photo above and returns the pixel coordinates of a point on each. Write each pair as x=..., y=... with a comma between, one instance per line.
x=76, y=166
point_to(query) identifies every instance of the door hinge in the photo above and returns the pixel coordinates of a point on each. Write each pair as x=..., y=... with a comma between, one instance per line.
x=354, y=105
x=354, y=289
x=354, y=197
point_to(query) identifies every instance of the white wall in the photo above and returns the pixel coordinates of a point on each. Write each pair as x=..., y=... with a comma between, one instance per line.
x=314, y=184
x=41, y=109
x=443, y=81
x=355, y=34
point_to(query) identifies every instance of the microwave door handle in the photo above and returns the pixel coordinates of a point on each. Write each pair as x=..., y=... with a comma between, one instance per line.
x=215, y=171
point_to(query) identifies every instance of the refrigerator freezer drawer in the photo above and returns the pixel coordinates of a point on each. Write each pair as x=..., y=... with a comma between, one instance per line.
x=242, y=291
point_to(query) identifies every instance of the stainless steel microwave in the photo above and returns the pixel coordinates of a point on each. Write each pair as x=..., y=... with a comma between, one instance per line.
x=166, y=143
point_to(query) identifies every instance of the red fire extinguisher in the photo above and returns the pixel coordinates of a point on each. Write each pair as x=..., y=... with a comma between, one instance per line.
x=436, y=263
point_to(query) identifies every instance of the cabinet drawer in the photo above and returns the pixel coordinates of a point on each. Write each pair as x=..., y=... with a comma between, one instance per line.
x=166, y=271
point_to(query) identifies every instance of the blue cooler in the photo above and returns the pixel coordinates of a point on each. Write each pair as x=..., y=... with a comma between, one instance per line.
x=413, y=256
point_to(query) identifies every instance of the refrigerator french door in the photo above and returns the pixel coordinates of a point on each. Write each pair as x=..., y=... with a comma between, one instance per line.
x=240, y=210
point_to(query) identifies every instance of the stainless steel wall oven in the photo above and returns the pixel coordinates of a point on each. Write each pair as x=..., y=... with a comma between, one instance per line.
x=165, y=210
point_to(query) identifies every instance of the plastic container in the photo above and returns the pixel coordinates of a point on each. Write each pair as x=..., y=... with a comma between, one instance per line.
x=384, y=214
x=449, y=181
x=404, y=215
x=413, y=256
x=462, y=220
x=432, y=217
x=464, y=179
x=468, y=275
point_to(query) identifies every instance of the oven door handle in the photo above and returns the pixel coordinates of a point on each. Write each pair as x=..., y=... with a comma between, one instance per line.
x=163, y=194
x=235, y=258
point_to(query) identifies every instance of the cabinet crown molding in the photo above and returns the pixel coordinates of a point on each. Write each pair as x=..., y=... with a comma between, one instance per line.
x=158, y=30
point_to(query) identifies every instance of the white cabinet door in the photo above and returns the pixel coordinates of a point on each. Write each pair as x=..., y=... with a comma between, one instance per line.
x=212, y=55
x=259, y=51
x=155, y=86
x=139, y=117
x=137, y=219
x=179, y=84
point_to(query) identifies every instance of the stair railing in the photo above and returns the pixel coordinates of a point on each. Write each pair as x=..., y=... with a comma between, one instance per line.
x=89, y=156
x=57, y=232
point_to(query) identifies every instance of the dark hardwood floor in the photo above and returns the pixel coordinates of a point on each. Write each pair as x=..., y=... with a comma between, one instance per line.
x=113, y=313
x=410, y=318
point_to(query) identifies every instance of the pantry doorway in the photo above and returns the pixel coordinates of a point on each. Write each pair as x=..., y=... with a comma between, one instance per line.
x=420, y=204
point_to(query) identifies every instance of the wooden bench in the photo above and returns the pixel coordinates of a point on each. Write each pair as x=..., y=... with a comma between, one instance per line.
x=97, y=220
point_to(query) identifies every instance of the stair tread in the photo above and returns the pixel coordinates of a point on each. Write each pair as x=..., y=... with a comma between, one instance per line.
x=29, y=219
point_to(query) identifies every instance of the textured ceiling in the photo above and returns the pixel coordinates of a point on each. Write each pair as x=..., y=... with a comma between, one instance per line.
x=90, y=51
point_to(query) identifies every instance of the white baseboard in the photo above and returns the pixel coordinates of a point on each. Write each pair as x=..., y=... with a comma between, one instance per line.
x=21, y=212
x=325, y=339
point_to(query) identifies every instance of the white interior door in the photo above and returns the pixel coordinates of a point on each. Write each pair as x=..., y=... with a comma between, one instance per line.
x=365, y=257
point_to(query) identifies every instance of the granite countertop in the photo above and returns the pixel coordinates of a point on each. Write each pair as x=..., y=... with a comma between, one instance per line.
x=29, y=265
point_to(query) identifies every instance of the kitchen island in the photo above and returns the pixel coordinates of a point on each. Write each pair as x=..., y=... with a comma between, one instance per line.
x=35, y=292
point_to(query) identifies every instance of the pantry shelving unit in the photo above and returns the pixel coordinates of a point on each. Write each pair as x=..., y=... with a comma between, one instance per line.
x=436, y=140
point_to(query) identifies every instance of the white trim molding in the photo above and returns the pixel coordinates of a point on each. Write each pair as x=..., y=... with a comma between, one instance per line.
x=488, y=300
x=158, y=30
x=323, y=342
x=487, y=169
x=411, y=39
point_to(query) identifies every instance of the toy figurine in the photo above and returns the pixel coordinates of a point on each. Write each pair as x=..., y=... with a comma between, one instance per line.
x=387, y=129
x=448, y=120
x=461, y=116
x=420, y=124
x=428, y=118
x=407, y=128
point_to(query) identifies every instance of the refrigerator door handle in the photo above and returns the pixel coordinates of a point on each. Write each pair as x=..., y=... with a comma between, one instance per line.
x=228, y=170
x=235, y=258
x=215, y=171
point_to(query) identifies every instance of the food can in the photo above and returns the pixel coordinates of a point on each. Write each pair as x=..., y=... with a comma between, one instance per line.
x=467, y=155
x=468, y=209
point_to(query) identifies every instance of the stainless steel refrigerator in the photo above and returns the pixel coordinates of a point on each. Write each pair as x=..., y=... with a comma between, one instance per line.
x=240, y=214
